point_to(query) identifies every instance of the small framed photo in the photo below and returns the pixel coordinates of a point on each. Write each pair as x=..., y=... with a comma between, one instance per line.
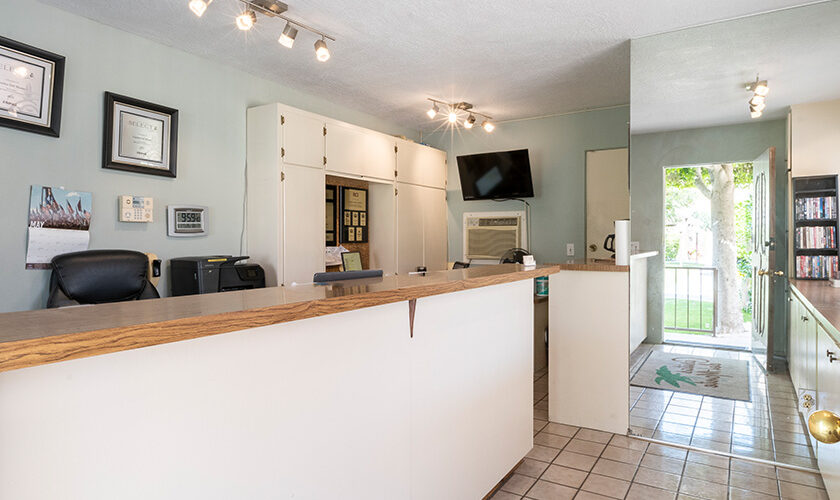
x=140, y=136
x=31, y=88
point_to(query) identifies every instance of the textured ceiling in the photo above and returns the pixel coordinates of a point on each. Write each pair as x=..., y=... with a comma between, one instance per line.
x=511, y=59
x=695, y=77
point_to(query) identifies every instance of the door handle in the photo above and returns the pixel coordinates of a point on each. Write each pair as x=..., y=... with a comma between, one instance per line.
x=762, y=272
x=830, y=356
x=824, y=425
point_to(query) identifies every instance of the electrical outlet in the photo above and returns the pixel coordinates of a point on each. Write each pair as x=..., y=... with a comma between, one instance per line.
x=634, y=247
x=570, y=249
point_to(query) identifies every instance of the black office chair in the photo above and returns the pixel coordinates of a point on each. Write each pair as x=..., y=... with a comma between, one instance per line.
x=99, y=276
x=460, y=265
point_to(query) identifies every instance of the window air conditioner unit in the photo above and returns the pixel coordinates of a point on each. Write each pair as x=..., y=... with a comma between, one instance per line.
x=488, y=235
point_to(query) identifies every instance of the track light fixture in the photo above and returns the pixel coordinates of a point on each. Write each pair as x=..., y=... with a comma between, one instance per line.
x=287, y=38
x=457, y=110
x=758, y=101
x=199, y=6
x=271, y=8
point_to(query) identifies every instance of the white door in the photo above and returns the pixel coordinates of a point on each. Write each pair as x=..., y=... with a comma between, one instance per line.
x=434, y=229
x=409, y=227
x=382, y=231
x=303, y=139
x=304, y=224
x=345, y=149
x=607, y=197
x=422, y=165
x=380, y=157
x=828, y=398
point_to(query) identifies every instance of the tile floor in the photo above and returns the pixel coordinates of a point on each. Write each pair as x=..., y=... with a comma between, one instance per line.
x=768, y=427
x=570, y=462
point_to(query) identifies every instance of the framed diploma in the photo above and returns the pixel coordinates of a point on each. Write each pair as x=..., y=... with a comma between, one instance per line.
x=140, y=136
x=31, y=88
x=354, y=209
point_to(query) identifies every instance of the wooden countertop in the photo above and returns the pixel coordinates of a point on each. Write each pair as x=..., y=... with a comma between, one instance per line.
x=824, y=298
x=32, y=338
x=604, y=265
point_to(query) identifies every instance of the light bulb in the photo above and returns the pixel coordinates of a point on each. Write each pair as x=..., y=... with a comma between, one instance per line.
x=761, y=88
x=287, y=38
x=433, y=111
x=488, y=127
x=246, y=20
x=321, y=51
x=199, y=6
x=452, y=116
x=469, y=122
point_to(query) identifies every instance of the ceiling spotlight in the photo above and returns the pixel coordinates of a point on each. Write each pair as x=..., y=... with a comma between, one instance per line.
x=756, y=100
x=755, y=114
x=199, y=6
x=433, y=111
x=758, y=107
x=246, y=20
x=453, y=117
x=287, y=38
x=470, y=121
x=488, y=126
x=321, y=50
x=761, y=88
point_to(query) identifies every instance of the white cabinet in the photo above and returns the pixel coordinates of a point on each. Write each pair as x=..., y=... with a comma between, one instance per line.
x=828, y=398
x=380, y=156
x=304, y=222
x=359, y=152
x=421, y=165
x=802, y=346
x=303, y=138
x=421, y=228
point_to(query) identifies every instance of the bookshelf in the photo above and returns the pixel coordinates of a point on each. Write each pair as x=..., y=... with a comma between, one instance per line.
x=815, y=231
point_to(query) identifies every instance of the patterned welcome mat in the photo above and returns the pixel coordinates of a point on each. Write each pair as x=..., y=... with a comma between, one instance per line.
x=721, y=378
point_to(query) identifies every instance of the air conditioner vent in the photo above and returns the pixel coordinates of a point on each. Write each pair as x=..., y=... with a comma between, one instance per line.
x=489, y=237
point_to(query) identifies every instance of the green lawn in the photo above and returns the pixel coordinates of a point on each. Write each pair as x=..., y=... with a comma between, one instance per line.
x=694, y=314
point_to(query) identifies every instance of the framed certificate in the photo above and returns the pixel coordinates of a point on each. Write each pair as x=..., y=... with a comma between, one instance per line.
x=354, y=210
x=140, y=136
x=31, y=88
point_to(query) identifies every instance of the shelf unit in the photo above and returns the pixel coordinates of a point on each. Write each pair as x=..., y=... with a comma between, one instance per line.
x=814, y=187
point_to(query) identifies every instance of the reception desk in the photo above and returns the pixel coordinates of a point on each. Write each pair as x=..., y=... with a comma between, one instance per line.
x=399, y=387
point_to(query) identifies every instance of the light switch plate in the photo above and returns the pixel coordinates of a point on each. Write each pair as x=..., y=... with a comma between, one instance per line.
x=634, y=247
x=570, y=249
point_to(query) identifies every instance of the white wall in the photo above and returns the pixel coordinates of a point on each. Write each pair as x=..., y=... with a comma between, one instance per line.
x=212, y=100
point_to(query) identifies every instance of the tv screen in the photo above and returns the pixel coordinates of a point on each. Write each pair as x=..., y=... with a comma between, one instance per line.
x=486, y=176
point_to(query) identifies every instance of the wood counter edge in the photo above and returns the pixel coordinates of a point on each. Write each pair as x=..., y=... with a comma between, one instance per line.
x=27, y=353
x=820, y=316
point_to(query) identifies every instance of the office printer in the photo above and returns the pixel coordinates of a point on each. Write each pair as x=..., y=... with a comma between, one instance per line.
x=214, y=273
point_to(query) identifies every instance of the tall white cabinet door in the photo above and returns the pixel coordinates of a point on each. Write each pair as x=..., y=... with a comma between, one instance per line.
x=380, y=158
x=409, y=227
x=434, y=229
x=422, y=165
x=828, y=398
x=303, y=139
x=486, y=350
x=345, y=149
x=304, y=225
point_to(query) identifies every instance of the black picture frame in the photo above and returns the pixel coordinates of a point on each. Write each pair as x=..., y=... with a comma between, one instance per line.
x=53, y=127
x=356, y=220
x=331, y=208
x=169, y=163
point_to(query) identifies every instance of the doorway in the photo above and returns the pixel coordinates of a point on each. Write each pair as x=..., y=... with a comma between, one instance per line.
x=708, y=226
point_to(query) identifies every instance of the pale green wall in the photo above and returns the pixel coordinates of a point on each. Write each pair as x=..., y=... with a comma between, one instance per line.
x=557, y=146
x=650, y=154
x=212, y=100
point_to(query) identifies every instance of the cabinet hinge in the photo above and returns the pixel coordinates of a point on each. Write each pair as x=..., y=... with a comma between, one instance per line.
x=396, y=149
x=396, y=191
x=282, y=120
x=395, y=173
x=282, y=152
x=325, y=130
x=325, y=160
x=282, y=176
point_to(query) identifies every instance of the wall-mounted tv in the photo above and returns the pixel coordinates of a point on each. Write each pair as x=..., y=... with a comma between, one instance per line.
x=493, y=176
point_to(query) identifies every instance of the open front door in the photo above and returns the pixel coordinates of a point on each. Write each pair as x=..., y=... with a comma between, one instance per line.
x=764, y=273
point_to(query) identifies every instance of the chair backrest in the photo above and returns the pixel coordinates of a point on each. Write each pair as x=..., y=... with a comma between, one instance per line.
x=99, y=276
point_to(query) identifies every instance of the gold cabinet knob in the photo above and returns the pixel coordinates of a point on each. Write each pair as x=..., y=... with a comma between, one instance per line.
x=593, y=247
x=824, y=425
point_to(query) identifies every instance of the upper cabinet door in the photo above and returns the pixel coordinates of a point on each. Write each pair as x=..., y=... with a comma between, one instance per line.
x=380, y=158
x=421, y=165
x=303, y=139
x=345, y=146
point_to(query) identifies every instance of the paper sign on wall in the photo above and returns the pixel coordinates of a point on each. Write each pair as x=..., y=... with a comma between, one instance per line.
x=59, y=222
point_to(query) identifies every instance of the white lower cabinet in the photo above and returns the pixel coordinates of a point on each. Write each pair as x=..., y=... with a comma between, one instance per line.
x=828, y=398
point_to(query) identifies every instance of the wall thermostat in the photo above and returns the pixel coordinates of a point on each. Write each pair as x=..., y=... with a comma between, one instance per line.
x=186, y=220
x=136, y=208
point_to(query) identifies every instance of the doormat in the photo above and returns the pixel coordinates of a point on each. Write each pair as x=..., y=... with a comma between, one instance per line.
x=721, y=378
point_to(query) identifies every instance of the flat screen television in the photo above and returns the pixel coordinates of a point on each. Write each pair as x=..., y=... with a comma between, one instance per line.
x=493, y=176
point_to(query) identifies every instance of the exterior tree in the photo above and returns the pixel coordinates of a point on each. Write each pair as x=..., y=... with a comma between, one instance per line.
x=717, y=183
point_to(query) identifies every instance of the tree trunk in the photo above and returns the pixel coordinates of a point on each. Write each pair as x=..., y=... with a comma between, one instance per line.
x=725, y=248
